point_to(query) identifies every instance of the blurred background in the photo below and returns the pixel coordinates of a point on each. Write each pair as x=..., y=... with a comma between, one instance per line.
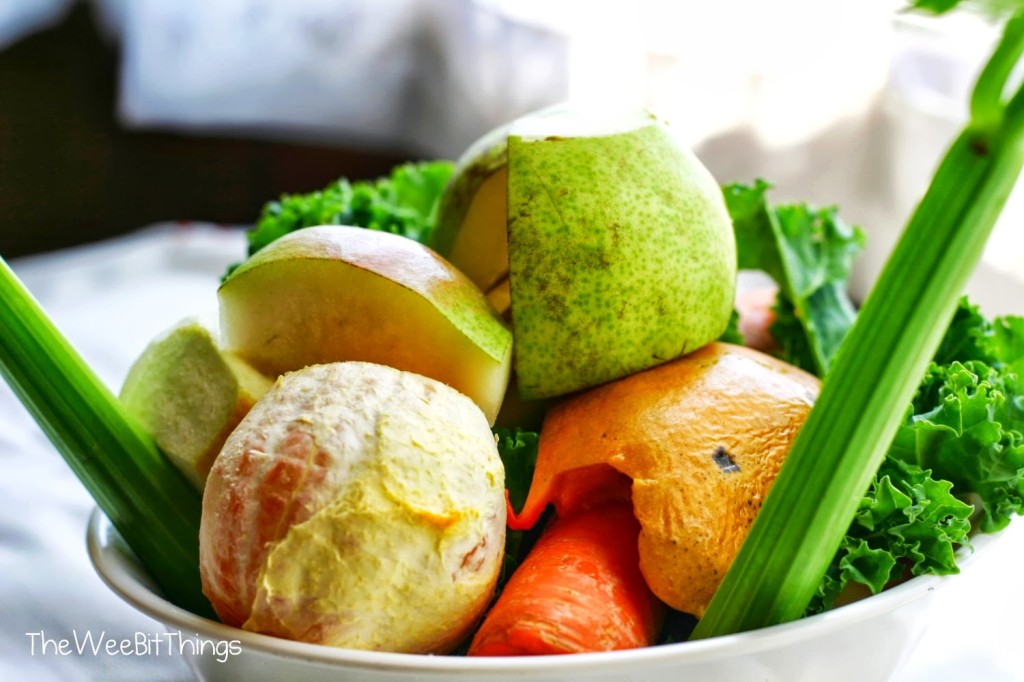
x=115, y=114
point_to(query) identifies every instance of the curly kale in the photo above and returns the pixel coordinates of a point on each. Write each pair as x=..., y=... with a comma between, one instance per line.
x=405, y=203
x=958, y=457
x=809, y=253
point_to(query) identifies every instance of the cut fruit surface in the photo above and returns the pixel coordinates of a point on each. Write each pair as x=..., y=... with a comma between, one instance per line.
x=189, y=395
x=328, y=294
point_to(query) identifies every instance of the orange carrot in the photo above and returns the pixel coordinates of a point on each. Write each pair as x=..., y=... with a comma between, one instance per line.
x=580, y=589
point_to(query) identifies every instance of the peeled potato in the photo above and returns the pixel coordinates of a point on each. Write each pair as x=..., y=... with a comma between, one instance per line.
x=701, y=437
x=357, y=506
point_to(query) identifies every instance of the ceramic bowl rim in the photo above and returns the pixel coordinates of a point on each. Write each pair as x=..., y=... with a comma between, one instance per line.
x=122, y=573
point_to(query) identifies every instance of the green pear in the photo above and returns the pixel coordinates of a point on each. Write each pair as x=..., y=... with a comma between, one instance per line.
x=190, y=395
x=615, y=251
x=329, y=294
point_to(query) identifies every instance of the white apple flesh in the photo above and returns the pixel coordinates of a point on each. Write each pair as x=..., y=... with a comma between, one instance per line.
x=329, y=294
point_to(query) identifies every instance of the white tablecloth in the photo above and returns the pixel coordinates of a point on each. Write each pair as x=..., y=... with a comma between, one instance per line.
x=111, y=300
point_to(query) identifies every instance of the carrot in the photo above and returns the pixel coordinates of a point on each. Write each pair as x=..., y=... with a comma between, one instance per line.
x=580, y=589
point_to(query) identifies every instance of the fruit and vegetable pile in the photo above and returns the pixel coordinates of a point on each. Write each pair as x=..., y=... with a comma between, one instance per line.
x=515, y=405
x=506, y=406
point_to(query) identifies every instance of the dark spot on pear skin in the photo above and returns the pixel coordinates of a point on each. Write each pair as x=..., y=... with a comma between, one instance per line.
x=614, y=234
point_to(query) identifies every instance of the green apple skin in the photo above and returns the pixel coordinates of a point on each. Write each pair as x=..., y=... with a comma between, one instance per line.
x=335, y=293
x=189, y=395
x=621, y=252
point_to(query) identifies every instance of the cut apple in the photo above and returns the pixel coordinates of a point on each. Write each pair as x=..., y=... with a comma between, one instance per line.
x=617, y=245
x=329, y=294
x=190, y=395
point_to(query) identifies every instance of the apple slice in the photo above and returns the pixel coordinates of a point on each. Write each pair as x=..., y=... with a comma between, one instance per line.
x=329, y=294
x=615, y=240
x=190, y=395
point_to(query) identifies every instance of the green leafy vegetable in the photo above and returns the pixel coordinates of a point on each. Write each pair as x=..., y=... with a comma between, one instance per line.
x=817, y=494
x=972, y=437
x=965, y=338
x=993, y=8
x=518, y=451
x=908, y=522
x=404, y=203
x=971, y=336
x=809, y=252
x=959, y=448
x=969, y=414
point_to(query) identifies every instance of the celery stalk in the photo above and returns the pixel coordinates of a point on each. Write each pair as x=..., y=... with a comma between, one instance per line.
x=147, y=499
x=879, y=365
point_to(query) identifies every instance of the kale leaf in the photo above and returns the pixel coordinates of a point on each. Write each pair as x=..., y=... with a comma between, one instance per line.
x=518, y=450
x=809, y=252
x=958, y=456
x=405, y=203
x=908, y=523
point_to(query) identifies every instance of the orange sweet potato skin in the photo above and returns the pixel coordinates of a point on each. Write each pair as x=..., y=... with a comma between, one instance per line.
x=702, y=438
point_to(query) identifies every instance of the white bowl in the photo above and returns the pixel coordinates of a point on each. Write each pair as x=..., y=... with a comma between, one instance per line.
x=866, y=640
